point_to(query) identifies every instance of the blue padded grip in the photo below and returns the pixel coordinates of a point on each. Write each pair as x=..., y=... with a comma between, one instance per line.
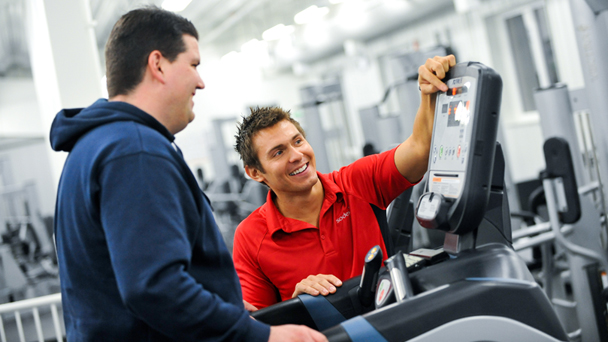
x=323, y=313
x=360, y=330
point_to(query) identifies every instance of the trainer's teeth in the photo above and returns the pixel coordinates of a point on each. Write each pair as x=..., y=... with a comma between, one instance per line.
x=299, y=170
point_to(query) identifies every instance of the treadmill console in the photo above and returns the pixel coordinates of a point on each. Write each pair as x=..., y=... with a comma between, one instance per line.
x=450, y=148
x=462, y=156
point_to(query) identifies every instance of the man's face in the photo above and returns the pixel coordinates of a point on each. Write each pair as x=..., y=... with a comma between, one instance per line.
x=182, y=82
x=287, y=158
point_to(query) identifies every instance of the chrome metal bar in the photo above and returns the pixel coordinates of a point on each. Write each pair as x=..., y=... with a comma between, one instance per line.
x=30, y=303
x=19, y=326
x=531, y=230
x=37, y=324
x=2, y=333
x=56, y=323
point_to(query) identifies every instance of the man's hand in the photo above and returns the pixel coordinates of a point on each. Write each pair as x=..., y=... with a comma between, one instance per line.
x=249, y=307
x=320, y=284
x=295, y=333
x=411, y=157
x=432, y=72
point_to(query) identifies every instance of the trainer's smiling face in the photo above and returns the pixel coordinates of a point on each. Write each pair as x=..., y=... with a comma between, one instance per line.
x=287, y=158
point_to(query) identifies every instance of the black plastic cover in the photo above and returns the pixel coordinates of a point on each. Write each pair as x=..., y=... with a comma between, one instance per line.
x=292, y=311
x=464, y=214
x=503, y=287
x=559, y=164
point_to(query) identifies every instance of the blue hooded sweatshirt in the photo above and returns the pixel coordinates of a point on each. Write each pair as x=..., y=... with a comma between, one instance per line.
x=140, y=255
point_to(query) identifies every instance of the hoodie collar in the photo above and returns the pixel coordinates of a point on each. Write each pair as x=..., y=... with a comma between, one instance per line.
x=70, y=124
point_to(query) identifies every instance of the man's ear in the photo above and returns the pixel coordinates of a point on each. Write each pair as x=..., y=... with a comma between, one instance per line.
x=155, y=65
x=255, y=174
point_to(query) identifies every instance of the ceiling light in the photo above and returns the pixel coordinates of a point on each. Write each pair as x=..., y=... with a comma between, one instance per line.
x=256, y=52
x=277, y=32
x=352, y=16
x=175, y=5
x=316, y=35
x=310, y=14
x=230, y=57
x=254, y=45
x=334, y=2
x=285, y=49
x=395, y=5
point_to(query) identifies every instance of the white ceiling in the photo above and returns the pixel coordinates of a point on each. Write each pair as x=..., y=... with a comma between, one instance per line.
x=227, y=24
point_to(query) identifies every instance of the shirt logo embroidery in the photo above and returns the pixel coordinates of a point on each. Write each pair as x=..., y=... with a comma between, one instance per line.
x=345, y=215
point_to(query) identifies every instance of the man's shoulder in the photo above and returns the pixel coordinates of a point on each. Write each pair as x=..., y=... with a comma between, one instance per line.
x=253, y=229
x=127, y=137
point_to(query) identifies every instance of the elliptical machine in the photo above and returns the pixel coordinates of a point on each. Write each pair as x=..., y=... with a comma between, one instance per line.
x=475, y=287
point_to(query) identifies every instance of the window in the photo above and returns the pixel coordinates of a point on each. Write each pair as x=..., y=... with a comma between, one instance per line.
x=532, y=53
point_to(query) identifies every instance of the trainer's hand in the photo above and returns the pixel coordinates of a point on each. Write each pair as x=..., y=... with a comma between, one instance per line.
x=249, y=307
x=432, y=72
x=295, y=333
x=317, y=284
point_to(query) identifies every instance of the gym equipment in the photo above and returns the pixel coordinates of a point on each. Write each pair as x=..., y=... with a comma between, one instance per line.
x=476, y=287
x=571, y=276
x=592, y=15
x=571, y=280
x=27, y=254
x=327, y=128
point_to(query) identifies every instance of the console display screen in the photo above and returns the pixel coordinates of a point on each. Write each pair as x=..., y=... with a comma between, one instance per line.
x=452, y=135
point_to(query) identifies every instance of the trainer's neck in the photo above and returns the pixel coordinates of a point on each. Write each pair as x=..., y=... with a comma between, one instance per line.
x=302, y=206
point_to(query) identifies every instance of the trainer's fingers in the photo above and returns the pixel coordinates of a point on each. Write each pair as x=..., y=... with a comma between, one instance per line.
x=305, y=286
x=446, y=62
x=325, y=283
x=451, y=60
x=428, y=81
x=435, y=66
x=433, y=71
x=333, y=279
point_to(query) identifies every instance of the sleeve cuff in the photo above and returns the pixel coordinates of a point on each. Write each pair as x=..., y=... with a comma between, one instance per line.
x=258, y=331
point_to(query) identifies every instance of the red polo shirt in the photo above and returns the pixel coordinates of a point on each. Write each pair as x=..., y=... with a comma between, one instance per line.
x=273, y=253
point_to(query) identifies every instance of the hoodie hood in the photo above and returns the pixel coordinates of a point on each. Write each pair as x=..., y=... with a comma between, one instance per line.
x=70, y=124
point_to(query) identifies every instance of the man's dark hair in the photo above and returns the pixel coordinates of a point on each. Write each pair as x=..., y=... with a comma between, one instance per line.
x=134, y=36
x=259, y=119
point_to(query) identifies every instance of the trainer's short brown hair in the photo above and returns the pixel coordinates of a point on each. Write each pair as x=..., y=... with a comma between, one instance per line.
x=259, y=119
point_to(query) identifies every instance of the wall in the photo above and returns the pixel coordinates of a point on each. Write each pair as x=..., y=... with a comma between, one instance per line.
x=19, y=114
x=230, y=88
x=26, y=156
x=29, y=163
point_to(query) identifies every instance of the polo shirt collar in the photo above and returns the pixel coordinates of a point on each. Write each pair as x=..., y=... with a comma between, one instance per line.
x=276, y=221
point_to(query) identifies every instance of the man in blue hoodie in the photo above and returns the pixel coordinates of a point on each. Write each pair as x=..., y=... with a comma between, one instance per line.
x=140, y=255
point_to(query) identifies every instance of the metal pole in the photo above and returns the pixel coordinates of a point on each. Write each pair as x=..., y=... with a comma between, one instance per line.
x=591, y=27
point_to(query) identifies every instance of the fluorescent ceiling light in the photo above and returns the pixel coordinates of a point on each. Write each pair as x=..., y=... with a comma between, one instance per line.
x=254, y=45
x=352, y=16
x=285, y=49
x=310, y=14
x=277, y=32
x=175, y=5
x=334, y=2
x=256, y=51
x=395, y=5
x=230, y=57
x=316, y=34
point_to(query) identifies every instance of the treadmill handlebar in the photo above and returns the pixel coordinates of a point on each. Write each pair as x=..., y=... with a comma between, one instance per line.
x=367, y=287
x=399, y=277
